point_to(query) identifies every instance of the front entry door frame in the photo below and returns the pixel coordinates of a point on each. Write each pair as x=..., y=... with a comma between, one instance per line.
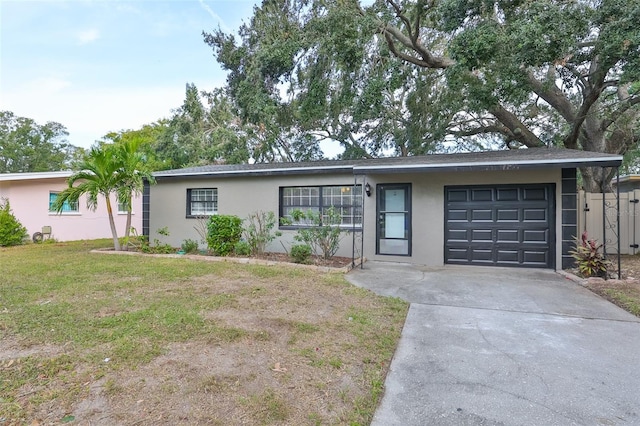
x=393, y=219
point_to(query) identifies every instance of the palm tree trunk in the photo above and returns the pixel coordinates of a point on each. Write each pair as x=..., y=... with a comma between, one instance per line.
x=127, y=230
x=114, y=231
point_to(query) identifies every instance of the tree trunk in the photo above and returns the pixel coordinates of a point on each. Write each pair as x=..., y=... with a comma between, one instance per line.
x=112, y=223
x=594, y=137
x=127, y=230
x=593, y=178
x=593, y=140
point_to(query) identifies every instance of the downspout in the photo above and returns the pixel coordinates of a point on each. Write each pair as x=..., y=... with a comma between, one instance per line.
x=353, y=225
x=604, y=214
x=618, y=220
x=364, y=181
x=635, y=202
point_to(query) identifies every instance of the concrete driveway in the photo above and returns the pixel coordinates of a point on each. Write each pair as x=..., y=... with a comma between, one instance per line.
x=502, y=346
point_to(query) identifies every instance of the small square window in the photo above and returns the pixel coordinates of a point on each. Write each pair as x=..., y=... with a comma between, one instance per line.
x=202, y=202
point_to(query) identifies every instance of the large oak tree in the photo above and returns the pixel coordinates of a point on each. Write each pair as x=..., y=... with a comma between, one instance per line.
x=416, y=76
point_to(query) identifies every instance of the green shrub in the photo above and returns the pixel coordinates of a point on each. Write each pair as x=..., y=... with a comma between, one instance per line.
x=162, y=248
x=158, y=247
x=591, y=262
x=259, y=232
x=12, y=232
x=242, y=248
x=324, y=233
x=223, y=232
x=189, y=246
x=301, y=253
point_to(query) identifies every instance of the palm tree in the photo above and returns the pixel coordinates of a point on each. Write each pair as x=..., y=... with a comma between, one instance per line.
x=133, y=171
x=100, y=175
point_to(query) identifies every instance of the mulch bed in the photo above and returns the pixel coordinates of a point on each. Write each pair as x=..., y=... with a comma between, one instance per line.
x=334, y=262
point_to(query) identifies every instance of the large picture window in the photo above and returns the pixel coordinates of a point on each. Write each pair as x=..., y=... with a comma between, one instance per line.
x=347, y=200
x=202, y=202
x=67, y=207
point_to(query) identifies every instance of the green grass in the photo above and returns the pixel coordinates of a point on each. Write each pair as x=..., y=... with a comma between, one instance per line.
x=627, y=301
x=108, y=313
x=49, y=293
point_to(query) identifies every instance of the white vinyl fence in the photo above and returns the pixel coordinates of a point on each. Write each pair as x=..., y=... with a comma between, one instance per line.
x=593, y=217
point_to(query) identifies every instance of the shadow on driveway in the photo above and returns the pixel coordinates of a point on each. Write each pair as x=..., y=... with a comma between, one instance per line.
x=505, y=346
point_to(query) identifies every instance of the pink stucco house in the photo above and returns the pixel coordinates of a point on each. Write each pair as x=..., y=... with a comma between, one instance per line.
x=30, y=195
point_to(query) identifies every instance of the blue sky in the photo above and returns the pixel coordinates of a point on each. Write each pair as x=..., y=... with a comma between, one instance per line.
x=104, y=65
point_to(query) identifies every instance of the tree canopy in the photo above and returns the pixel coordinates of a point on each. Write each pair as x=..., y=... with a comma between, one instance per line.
x=145, y=139
x=26, y=146
x=411, y=77
x=208, y=129
x=197, y=135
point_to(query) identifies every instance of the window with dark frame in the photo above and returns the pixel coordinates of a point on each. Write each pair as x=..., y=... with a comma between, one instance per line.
x=67, y=207
x=202, y=202
x=346, y=199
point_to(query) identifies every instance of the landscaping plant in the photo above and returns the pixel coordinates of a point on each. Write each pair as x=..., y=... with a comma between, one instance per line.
x=301, y=253
x=242, y=248
x=189, y=246
x=324, y=233
x=259, y=231
x=591, y=261
x=223, y=233
x=158, y=247
x=11, y=230
x=201, y=227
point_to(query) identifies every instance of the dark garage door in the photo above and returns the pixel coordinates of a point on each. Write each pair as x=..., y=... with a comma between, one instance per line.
x=505, y=225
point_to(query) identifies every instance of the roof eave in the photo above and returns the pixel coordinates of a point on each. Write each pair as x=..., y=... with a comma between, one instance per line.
x=259, y=172
x=611, y=161
x=480, y=167
x=14, y=177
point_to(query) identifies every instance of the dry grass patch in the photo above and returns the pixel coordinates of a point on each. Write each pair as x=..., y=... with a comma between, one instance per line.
x=150, y=341
x=624, y=293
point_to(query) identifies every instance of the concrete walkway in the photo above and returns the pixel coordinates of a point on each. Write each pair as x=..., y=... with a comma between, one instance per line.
x=502, y=346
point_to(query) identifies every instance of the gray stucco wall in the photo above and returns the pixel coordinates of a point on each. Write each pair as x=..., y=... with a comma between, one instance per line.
x=238, y=196
x=428, y=209
x=243, y=195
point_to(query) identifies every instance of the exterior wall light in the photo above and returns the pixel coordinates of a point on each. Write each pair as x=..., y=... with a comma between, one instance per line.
x=367, y=189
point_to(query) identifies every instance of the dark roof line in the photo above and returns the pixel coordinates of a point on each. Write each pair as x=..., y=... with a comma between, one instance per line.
x=488, y=160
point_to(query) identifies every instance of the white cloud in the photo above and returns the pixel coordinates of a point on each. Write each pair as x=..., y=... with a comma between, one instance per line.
x=215, y=16
x=87, y=36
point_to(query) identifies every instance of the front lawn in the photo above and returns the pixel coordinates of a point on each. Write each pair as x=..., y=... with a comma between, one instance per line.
x=100, y=339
